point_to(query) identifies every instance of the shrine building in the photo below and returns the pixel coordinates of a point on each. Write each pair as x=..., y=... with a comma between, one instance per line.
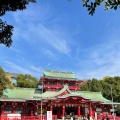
x=60, y=93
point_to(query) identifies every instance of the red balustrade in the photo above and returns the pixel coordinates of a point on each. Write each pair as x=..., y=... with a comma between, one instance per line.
x=60, y=86
x=99, y=117
x=54, y=117
x=74, y=87
x=52, y=86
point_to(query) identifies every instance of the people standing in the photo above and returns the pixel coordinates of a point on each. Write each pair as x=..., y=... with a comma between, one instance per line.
x=102, y=118
x=71, y=116
x=107, y=117
x=88, y=116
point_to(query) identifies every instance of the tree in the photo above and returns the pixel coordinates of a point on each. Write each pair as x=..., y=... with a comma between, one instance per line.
x=109, y=4
x=105, y=86
x=5, y=81
x=26, y=81
x=5, y=29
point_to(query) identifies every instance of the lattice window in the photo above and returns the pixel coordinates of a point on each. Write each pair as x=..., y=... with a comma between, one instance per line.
x=19, y=109
x=27, y=110
x=8, y=109
x=71, y=84
x=52, y=83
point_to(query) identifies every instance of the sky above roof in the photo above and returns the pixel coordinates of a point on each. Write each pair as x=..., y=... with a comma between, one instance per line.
x=60, y=35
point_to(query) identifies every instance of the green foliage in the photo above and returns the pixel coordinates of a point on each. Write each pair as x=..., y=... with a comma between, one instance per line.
x=5, y=34
x=5, y=29
x=105, y=86
x=13, y=5
x=26, y=81
x=109, y=4
x=92, y=85
x=5, y=81
x=118, y=110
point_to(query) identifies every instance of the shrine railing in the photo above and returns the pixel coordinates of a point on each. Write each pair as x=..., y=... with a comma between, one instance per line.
x=52, y=86
x=60, y=86
x=99, y=117
x=54, y=117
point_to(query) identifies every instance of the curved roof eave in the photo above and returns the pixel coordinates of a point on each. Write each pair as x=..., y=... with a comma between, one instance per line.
x=13, y=100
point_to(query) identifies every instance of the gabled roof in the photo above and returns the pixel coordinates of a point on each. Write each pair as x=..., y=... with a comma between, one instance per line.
x=52, y=93
x=23, y=94
x=94, y=96
x=59, y=74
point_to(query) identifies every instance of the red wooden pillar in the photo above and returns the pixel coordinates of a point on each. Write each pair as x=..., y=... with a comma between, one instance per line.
x=90, y=111
x=78, y=111
x=24, y=109
x=50, y=108
x=13, y=109
x=102, y=110
x=2, y=109
x=109, y=109
x=35, y=109
x=63, y=111
x=93, y=112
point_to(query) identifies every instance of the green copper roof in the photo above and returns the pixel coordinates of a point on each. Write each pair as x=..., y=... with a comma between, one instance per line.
x=59, y=74
x=52, y=93
x=23, y=94
x=92, y=96
x=20, y=93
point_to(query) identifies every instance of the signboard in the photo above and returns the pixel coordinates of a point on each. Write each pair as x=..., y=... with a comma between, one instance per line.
x=11, y=116
x=49, y=115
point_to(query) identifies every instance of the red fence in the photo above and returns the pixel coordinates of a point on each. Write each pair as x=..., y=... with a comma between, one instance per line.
x=54, y=117
x=110, y=116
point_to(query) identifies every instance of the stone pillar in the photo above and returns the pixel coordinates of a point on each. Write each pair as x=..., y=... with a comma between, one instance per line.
x=63, y=111
x=78, y=112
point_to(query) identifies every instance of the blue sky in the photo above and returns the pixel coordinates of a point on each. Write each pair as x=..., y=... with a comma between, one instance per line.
x=60, y=35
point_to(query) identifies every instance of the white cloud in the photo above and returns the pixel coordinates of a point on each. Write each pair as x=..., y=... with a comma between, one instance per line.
x=102, y=60
x=16, y=50
x=24, y=69
x=16, y=67
x=48, y=53
x=37, y=28
x=37, y=69
x=54, y=38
